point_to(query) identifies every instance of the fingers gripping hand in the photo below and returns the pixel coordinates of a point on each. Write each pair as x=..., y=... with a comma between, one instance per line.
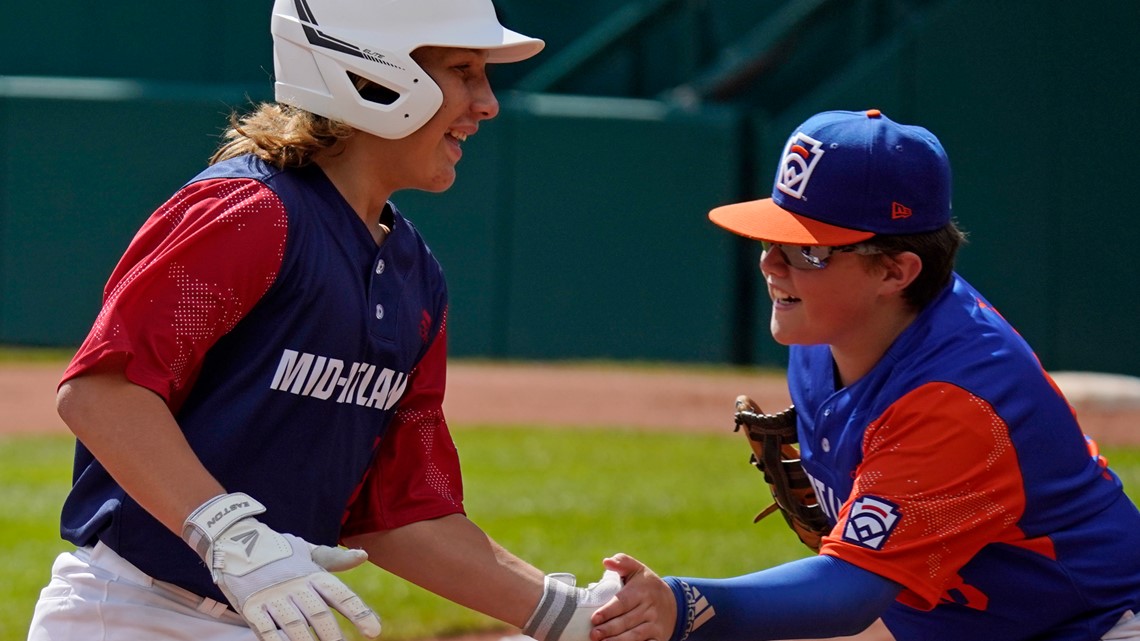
x=279, y=583
x=645, y=608
x=563, y=613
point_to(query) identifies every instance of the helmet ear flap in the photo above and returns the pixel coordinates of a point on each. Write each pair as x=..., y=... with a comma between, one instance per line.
x=391, y=104
x=373, y=91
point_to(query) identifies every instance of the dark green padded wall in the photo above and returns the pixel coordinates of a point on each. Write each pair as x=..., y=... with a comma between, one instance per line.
x=611, y=255
x=576, y=230
x=77, y=179
x=203, y=41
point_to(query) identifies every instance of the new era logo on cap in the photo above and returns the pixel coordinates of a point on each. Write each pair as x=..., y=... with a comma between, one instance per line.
x=801, y=155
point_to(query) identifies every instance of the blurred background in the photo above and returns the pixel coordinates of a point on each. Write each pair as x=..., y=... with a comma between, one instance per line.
x=577, y=228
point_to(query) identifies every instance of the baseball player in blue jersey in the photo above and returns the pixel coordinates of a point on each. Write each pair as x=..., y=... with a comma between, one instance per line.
x=264, y=381
x=963, y=500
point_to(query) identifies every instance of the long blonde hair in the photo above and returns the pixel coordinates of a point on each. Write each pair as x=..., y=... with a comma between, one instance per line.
x=281, y=135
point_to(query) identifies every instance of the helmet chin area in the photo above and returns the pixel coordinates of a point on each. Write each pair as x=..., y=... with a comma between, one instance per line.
x=322, y=48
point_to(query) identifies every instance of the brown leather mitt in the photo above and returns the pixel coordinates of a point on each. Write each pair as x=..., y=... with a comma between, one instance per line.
x=773, y=438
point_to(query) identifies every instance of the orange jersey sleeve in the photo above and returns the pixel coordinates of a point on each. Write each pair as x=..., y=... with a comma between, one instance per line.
x=943, y=460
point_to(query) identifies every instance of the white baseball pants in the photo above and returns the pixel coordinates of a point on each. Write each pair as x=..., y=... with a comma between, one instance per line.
x=96, y=594
x=1127, y=629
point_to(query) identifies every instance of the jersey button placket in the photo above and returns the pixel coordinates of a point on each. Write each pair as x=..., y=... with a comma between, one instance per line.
x=380, y=265
x=824, y=442
x=384, y=295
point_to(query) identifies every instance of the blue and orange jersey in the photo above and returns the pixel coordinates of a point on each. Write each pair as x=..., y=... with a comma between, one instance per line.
x=957, y=469
x=305, y=365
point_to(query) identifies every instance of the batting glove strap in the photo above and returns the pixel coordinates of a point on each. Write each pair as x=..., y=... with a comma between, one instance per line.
x=558, y=602
x=563, y=613
x=203, y=527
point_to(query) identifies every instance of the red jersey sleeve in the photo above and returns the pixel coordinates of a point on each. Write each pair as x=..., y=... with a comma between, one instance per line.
x=194, y=269
x=415, y=475
x=940, y=464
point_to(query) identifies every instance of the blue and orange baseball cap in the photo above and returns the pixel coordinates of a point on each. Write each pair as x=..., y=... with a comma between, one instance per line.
x=846, y=176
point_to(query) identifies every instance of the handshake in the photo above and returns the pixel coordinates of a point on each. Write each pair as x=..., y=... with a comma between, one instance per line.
x=564, y=612
x=282, y=586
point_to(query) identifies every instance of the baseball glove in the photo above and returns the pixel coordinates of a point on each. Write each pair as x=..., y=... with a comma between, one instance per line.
x=772, y=437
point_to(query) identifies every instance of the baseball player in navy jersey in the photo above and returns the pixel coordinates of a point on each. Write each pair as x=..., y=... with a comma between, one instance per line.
x=264, y=381
x=964, y=500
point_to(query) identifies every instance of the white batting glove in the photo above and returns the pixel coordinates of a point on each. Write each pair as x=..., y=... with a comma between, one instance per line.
x=563, y=612
x=279, y=583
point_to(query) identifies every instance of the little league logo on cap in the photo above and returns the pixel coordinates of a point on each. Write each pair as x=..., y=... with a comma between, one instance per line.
x=846, y=176
x=800, y=157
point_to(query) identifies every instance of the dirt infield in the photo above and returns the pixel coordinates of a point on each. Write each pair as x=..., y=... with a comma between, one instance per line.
x=563, y=395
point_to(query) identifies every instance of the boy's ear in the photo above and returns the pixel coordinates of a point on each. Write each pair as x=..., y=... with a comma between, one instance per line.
x=900, y=270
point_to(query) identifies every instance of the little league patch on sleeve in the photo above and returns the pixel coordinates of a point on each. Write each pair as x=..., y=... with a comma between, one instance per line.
x=870, y=522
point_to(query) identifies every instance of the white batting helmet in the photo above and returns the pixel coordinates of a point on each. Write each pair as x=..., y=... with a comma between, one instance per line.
x=318, y=43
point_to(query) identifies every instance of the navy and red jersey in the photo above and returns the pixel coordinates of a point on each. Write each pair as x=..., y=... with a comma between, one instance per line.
x=958, y=470
x=304, y=364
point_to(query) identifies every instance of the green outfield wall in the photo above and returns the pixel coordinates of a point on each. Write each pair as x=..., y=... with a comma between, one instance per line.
x=577, y=228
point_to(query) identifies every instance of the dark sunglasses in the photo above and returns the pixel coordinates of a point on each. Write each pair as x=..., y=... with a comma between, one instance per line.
x=815, y=256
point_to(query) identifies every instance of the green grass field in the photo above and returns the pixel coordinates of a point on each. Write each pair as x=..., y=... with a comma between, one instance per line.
x=562, y=499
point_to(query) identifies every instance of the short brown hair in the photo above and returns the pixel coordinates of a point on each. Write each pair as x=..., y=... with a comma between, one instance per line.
x=281, y=135
x=937, y=249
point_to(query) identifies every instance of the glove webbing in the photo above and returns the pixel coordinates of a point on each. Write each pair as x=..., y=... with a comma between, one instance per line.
x=772, y=437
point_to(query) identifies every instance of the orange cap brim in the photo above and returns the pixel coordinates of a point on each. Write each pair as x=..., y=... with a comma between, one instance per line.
x=765, y=220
